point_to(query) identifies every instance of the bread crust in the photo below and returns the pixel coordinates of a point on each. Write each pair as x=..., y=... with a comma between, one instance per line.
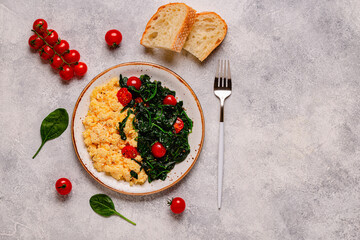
x=184, y=31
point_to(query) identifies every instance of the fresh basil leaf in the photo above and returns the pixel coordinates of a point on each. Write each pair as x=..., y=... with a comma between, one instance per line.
x=53, y=126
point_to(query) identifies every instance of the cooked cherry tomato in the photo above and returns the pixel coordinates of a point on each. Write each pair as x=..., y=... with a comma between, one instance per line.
x=134, y=81
x=61, y=47
x=178, y=125
x=169, y=100
x=124, y=96
x=158, y=150
x=56, y=62
x=46, y=52
x=72, y=56
x=51, y=37
x=113, y=38
x=40, y=26
x=63, y=186
x=138, y=100
x=80, y=69
x=66, y=73
x=35, y=42
x=177, y=205
x=129, y=151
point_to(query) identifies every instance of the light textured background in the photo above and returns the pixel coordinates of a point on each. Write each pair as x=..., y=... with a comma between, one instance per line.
x=292, y=168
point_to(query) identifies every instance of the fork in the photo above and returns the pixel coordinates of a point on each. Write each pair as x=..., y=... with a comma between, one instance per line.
x=222, y=89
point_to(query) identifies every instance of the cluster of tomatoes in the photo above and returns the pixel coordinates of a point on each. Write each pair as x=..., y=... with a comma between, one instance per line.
x=124, y=97
x=56, y=51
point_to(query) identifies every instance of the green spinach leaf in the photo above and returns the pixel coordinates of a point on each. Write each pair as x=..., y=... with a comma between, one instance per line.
x=133, y=174
x=53, y=126
x=104, y=206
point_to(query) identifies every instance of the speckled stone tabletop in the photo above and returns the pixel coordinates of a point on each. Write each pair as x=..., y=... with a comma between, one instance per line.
x=292, y=168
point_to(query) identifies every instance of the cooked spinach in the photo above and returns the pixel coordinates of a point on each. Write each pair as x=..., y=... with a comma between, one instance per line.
x=154, y=122
x=122, y=125
x=104, y=206
x=133, y=174
x=53, y=126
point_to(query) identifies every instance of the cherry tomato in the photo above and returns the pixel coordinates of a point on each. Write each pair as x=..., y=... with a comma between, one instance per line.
x=40, y=26
x=72, y=56
x=134, y=81
x=56, y=62
x=61, y=47
x=66, y=73
x=124, y=96
x=63, y=186
x=158, y=150
x=46, y=52
x=169, y=100
x=80, y=69
x=177, y=205
x=35, y=42
x=51, y=37
x=129, y=151
x=138, y=100
x=113, y=38
x=178, y=125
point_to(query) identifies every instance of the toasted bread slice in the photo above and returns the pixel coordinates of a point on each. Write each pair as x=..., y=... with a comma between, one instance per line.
x=208, y=32
x=169, y=27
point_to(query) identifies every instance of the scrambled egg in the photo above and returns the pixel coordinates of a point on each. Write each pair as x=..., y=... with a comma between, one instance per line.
x=102, y=139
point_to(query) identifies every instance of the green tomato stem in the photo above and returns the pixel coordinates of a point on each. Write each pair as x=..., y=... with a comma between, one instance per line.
x=42, y=144
x=51, y=46
x=124, y=218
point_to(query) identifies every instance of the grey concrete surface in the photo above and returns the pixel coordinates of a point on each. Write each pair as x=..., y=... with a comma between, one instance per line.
x=292, y=168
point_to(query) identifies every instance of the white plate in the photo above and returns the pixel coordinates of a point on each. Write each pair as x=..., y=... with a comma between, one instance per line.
x=168, y=79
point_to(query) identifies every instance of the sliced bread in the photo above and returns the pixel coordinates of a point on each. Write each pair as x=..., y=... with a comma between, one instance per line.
x=207, y=33
x=169, y=27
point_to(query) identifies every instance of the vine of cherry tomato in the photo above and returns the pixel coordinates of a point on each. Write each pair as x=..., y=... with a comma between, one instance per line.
x=113, y=38
x=177, y=205
x=55, y=50
x=63, y=186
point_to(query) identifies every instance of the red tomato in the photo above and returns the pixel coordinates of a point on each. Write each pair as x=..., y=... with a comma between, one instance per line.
x=134, y=81
x=177, y=205
x=35, y=42
x=113, y=38
x=63, y=186
x=178, y=125
x=66, y=73
x=40, y=26
x=158, y=150
x=129, y=151
x=46, y=52
x=80, y=69
x=124, y=96
x=138, y=100
x=72, y=56
x=61, y=47
x=51, y=37
x=56, y=62
x=169, y=100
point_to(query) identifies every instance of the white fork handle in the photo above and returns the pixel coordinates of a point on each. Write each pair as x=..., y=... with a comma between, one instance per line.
x=220, y=163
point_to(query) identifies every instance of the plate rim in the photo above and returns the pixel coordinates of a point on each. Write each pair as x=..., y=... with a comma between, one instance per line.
x=178, y=77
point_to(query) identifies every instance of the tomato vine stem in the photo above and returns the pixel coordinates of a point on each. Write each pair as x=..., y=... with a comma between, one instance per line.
x=50, y=46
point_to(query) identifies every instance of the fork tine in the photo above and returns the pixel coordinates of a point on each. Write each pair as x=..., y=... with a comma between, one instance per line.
x=229, y=84
x=224, y=74
x=228, y=73
x=221, y=73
